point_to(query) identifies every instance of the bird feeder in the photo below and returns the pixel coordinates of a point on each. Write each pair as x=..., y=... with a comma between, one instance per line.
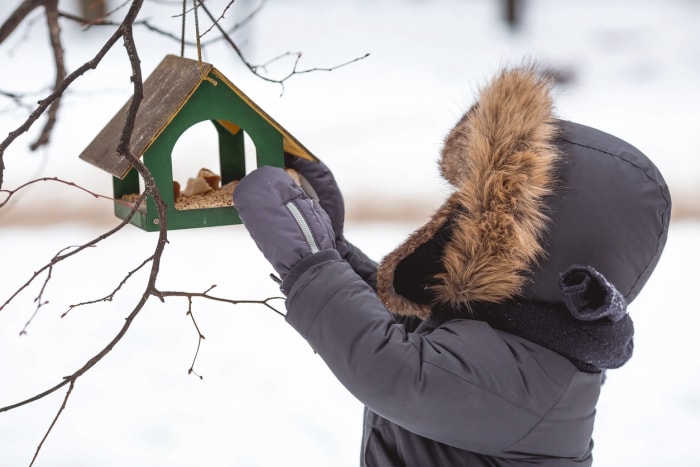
x=179, y=94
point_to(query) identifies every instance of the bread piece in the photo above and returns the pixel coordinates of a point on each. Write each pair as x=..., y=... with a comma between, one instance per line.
x=212, y=179
x=196, y=186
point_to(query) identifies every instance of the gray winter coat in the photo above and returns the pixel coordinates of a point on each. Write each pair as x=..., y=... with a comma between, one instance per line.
x=442, y=393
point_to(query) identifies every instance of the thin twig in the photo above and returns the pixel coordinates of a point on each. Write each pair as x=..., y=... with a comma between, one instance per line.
x=89, y=23
x=16, y=98
x=10, y=193
x=60, y=257
x=39, y=298
x=55, y=419
x=206, y=295
x=182, y=32
x=59, y=90
x=221, y=16
x=51, y=7
x=200, y=338
x=103, y=22
x=236, y=26
x=17, y=16
x=110, y=297
x=254, y=68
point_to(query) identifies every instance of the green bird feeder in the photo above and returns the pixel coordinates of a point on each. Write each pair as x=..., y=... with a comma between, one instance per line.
x=179, y=94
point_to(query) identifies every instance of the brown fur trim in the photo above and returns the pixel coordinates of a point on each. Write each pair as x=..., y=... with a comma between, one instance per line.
x=385, y=271
x=500, y=158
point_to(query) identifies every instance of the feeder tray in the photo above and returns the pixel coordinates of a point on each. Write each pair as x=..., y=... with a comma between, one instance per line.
x=179, y=94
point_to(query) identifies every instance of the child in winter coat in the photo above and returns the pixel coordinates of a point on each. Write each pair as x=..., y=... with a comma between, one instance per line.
x=484, y=338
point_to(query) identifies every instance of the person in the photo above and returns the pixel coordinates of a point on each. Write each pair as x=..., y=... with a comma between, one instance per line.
x=484, y=338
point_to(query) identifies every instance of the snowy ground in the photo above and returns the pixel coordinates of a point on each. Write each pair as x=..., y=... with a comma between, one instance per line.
x=266, y=399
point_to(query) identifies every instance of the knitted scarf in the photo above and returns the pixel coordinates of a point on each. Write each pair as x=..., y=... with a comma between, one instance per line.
x=590, y=327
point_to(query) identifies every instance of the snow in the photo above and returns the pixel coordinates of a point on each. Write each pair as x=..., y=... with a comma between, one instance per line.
x=265, y=397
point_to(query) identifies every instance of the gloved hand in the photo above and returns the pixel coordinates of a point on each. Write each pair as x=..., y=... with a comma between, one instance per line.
x=326, y=188
x=322, y=185
x=284, y=222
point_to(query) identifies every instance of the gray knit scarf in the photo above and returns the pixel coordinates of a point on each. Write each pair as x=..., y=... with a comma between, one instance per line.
x=590, y=327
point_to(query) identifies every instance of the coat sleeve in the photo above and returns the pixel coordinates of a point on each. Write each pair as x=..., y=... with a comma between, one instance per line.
x=463, y=384
x=365, y=267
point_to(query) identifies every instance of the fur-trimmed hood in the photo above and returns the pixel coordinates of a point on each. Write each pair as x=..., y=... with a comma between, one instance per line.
x=533, y=196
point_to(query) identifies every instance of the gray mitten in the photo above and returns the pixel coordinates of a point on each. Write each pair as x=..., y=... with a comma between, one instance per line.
x=284, y=222
x=322, y=182
x=325, y=187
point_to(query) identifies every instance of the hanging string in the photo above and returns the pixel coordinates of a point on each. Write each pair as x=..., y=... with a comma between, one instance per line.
x=199, y=44
x=196, y=30
x=182, y=36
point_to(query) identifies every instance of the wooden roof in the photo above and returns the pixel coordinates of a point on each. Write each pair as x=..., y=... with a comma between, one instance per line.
x=165, y=92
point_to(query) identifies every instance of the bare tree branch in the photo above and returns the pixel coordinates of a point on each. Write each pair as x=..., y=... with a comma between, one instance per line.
x=58, y=91
x=53, y=423
x=206, y=295
x=63, y=256
x=200, y=338
x=158, y=30
x=103, y=22
x=16, y=98
x=17, y=16
x=10, y=193
x=216, y=21
x=254, y=68
x=39, y=298
x=36, y=397
x=50, y=105
x=57, y=48
x=110, y=296
x=126, y=32
x=10, y=24
x=51, y=7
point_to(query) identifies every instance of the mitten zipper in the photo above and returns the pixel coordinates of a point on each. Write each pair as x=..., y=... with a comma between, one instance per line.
x=303, y=225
